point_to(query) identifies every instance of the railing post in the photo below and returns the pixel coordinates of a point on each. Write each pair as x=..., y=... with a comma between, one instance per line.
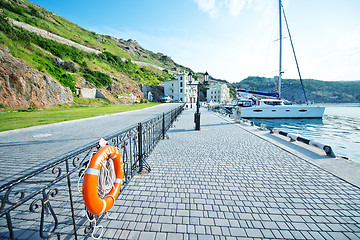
x=71, y=199
x=9, y=224
x=140, y=156
x=163, y=126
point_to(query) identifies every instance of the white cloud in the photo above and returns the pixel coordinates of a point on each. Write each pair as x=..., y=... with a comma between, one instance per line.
x=235, y=6
x=349, y=44
x=209, y=6
x=212, y=7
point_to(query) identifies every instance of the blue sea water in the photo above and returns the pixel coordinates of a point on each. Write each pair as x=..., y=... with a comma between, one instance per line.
x=339, y=128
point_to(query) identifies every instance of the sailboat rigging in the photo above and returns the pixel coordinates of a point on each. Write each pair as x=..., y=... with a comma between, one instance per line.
x=293, y=49
x=275, y=108
x=280, y=49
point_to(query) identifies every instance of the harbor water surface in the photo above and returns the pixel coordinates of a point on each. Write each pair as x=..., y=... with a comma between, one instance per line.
x=339, y=128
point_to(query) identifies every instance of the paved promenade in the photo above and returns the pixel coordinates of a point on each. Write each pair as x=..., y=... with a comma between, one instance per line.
x=27, y=149
x=225, y=183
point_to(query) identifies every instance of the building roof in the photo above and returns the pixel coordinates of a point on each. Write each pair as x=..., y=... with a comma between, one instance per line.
x=218, y=86
x=171, y=79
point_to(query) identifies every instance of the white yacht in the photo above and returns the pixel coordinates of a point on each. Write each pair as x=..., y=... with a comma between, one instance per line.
x=275, y=108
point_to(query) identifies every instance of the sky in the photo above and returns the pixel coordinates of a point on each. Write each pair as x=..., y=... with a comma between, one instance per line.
x=232, y=39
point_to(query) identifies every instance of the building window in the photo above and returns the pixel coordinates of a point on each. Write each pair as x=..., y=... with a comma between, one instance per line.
x=181, y=84
x=181, y=90
x=172, y=84
x=181, y=99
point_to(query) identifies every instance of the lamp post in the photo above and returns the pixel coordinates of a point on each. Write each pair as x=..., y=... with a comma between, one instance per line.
x=206, y=77
x=197, y=113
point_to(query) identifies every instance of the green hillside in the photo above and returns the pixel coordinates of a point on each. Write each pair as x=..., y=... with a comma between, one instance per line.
x=116, y=70
x=316, y=90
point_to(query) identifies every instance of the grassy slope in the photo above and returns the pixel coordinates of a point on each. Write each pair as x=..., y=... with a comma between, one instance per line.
x=49, y=21
x=15, y=120
x=39, y=53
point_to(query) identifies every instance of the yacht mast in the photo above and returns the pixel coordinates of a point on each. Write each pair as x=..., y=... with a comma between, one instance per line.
x=280, y=55
x=296, y=61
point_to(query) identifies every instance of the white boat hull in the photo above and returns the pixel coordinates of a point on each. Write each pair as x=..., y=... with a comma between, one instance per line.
x=282, y=111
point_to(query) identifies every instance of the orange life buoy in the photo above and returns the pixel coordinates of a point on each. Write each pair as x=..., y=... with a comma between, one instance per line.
x=93, y=202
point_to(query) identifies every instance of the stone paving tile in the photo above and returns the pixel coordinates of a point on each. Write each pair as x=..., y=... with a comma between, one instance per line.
x=225, y=183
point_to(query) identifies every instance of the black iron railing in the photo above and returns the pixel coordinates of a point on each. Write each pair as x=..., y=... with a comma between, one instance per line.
x=47, y=203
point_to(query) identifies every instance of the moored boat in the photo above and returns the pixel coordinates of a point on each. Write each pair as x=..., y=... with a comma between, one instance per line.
x=275, y=108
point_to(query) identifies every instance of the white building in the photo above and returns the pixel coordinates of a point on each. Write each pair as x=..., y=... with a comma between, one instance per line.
x=179, y=88
x=218, y=93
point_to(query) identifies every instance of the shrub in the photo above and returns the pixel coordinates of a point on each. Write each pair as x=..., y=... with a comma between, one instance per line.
x=90, y=78
x=58, y=73
x=11, y=7
x=17, y=34
x=33, y=107
x=2, y=105
x=34, y=12
x=4, y=24
x=97, y=78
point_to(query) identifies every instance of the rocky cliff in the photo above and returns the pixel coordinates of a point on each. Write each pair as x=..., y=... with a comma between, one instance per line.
x=22, y=86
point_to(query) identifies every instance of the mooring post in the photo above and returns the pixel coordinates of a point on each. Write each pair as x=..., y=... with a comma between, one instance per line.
x=140, y=157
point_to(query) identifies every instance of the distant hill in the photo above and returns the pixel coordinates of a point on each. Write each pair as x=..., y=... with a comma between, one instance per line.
x=316, y=90
x=76, y=57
